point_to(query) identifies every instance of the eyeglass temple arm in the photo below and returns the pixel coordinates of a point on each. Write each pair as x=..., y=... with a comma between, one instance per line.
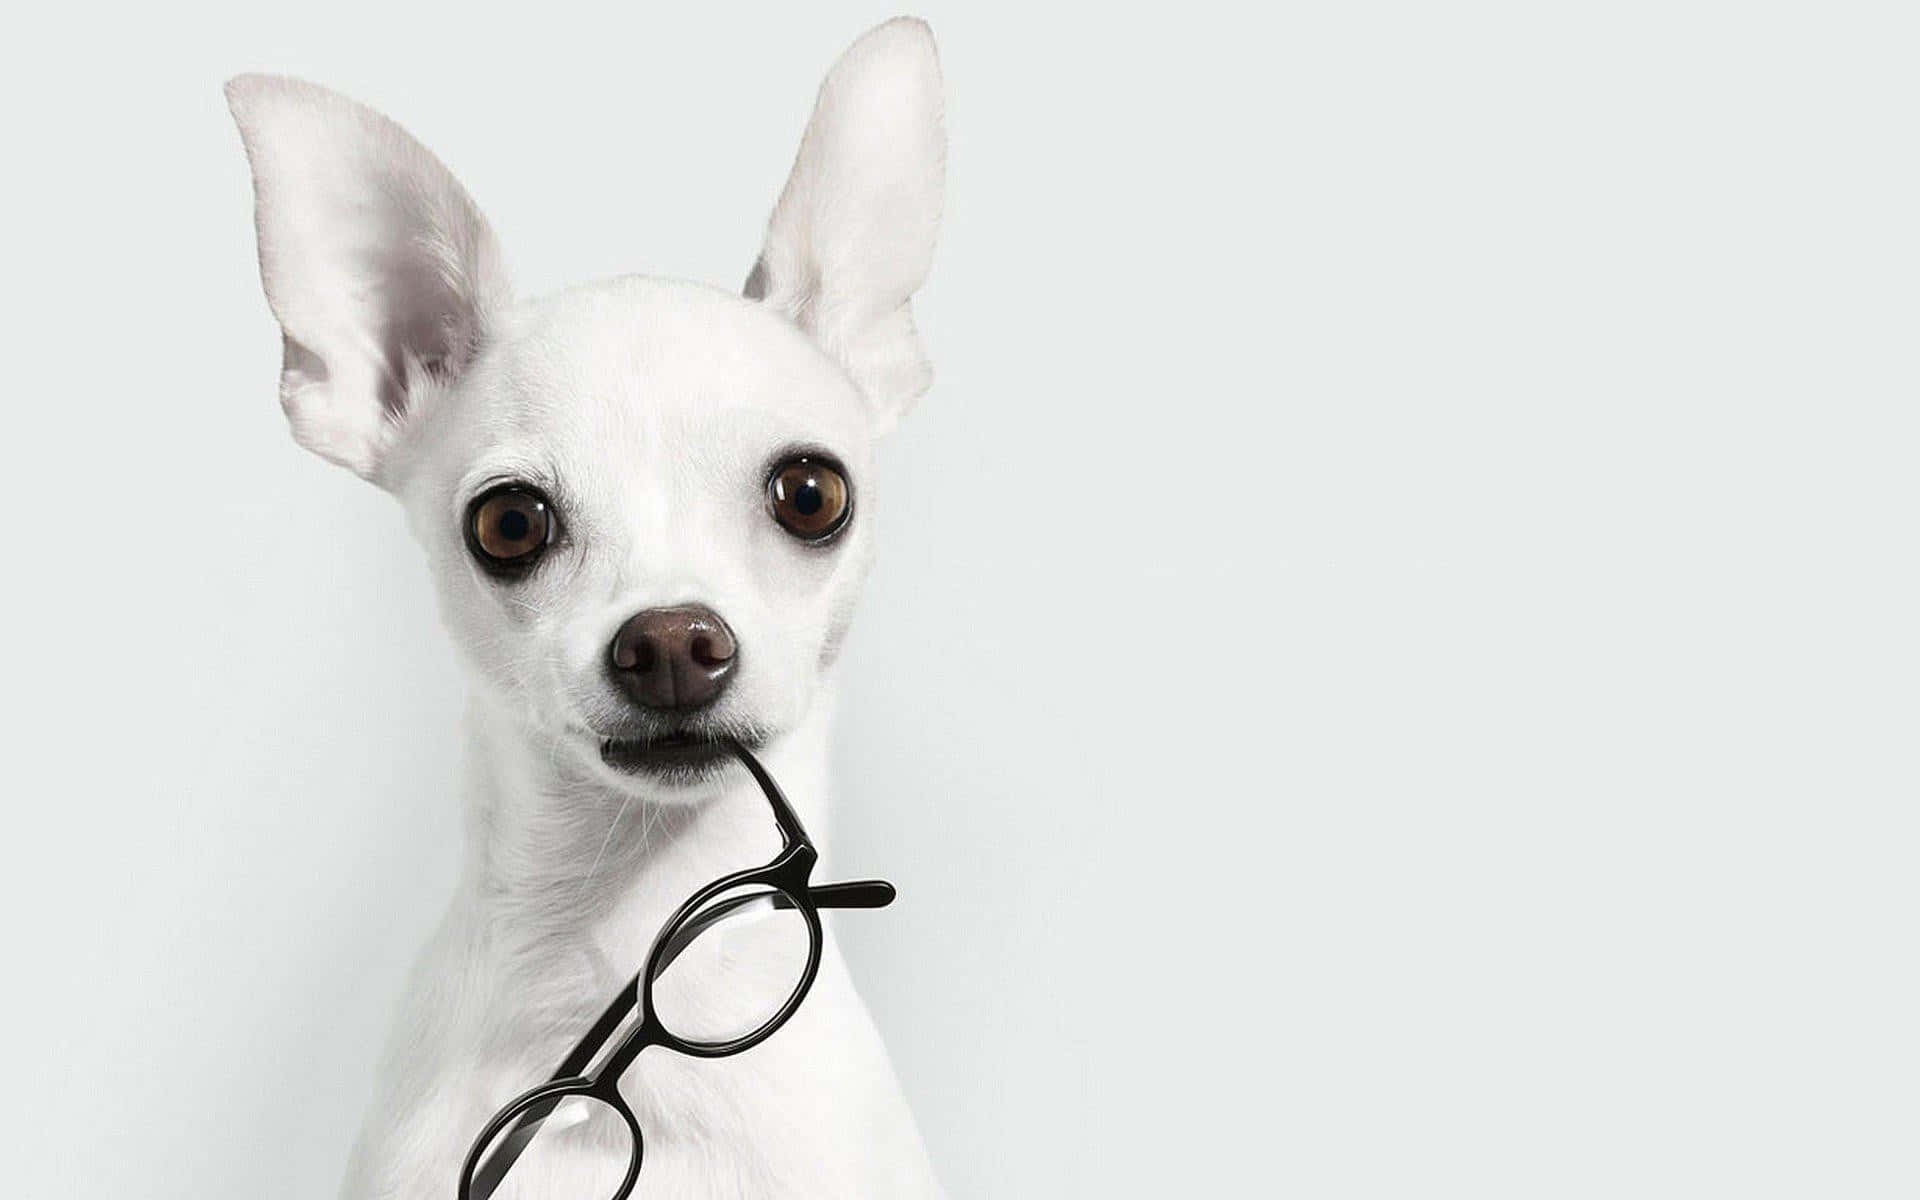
x=595, y=1039
x=855, y=893
x=791, y=830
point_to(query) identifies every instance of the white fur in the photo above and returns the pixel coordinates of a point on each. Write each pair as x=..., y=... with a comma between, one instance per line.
x=852, y=237
x=649, y=411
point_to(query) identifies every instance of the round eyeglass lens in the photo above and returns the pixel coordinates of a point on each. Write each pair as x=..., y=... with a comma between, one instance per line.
x=728, y=969
x=575, y=1146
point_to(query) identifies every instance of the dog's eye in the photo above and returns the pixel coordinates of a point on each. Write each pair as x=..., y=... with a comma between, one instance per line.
x=810, y=498
x=509, y=526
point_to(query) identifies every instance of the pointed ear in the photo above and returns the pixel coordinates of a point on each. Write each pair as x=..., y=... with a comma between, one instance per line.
x=852, y=236
x=382, y=273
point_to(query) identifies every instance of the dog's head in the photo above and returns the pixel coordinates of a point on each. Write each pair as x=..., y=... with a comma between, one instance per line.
x=647, y=505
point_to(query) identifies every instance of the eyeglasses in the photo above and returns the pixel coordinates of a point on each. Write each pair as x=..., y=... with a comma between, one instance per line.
x=725, y=972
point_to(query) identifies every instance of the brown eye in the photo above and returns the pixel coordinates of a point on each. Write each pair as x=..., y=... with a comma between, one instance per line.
x=810, y=498
x=509, y=526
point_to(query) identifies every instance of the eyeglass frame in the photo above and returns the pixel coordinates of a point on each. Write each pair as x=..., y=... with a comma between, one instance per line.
x=788, y=876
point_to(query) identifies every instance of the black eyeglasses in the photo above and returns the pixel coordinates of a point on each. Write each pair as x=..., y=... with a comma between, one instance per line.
x=726, y=971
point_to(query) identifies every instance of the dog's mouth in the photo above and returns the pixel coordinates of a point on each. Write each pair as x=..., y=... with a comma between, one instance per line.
x=679, y=756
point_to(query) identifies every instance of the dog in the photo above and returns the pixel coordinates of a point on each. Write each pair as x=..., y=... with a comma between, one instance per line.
x=647, y=507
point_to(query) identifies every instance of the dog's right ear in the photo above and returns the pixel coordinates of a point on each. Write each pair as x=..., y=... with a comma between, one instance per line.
x=378, y=266
x=852, y=236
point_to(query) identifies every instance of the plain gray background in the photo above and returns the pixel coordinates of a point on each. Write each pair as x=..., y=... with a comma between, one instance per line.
x=1392, y=668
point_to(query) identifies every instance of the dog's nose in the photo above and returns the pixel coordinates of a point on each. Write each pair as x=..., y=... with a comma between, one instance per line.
x=673, y=658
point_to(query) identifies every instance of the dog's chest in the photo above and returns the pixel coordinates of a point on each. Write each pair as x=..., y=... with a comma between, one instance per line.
x=787, y=1118
x=757, y=1125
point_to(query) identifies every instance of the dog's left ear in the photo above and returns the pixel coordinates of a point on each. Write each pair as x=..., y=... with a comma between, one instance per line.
x=378, y=266
x=852, y=235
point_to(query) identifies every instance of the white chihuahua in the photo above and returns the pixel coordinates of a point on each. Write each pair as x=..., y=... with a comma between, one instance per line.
x=648, y=508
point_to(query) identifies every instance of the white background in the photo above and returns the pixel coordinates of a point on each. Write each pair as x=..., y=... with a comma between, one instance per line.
x=1393, y=666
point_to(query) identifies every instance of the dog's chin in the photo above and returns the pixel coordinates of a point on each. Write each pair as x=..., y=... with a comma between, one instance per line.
x=680, y=760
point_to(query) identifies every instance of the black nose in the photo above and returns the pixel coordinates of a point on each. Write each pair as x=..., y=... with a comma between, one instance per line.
x=673, y=658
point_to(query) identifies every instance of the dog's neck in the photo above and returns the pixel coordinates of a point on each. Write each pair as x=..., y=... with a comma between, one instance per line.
x=562, y=864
